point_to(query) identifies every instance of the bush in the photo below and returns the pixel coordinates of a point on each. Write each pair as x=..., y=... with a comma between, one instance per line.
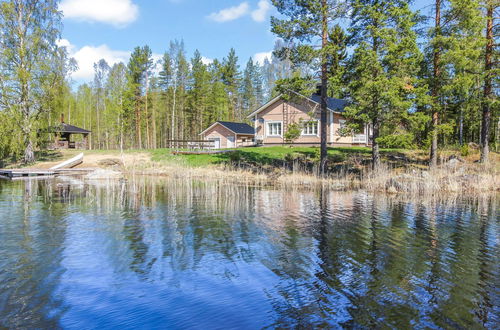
x=464, y=150
x=292, y=156
x=336, y=158
x=235, y=156
x=404, y=141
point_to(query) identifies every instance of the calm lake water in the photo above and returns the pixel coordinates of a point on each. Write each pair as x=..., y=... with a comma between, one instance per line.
x=151, y=253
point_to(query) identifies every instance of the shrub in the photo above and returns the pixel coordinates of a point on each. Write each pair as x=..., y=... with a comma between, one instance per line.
x=235, y=156
x=404, y=141
x=292, y=133
x=336, y=158
x=464, y=150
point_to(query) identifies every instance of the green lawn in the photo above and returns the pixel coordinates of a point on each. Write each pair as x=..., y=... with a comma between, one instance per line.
x=261, y=155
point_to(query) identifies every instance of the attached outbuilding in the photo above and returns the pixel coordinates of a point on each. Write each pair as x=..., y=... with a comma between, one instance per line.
x=226, y=134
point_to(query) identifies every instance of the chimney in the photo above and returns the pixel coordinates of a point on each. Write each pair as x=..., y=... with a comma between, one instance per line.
x=318, y=90
x=62, y=118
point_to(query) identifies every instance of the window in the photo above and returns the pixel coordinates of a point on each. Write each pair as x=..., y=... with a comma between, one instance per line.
x=274, y=128
x=310, y=128
x=342, y=123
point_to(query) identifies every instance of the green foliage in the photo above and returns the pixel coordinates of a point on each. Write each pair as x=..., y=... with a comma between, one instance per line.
x=292, y=133
x=32, y=66
x=464, y=150
x=396, y=141
x=290, y=87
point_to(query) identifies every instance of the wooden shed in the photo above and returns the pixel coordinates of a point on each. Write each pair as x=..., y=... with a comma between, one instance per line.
x=226, y=134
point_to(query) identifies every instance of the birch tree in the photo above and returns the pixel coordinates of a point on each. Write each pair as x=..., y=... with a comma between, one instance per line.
x=29, y=58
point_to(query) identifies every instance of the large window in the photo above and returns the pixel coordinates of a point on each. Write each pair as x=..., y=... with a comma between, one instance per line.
x=310, y=128
x=274, y=128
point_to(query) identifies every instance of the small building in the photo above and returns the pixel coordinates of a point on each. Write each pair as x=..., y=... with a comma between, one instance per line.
x=226, y=134
x=272, y=119
x=63, y=136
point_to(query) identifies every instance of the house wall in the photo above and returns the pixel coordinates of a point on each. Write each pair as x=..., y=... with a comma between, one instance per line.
x=219, y=131
x=296, y=113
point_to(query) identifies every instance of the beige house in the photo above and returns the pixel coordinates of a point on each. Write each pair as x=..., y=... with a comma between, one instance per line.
x=272, y=119
x=226, y=134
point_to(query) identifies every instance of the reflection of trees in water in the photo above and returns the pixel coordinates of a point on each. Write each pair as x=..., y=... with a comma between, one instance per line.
x=32, y=237
x=339, y=259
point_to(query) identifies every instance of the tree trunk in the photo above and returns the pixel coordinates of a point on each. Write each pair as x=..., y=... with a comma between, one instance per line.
x=488, y=64
x=375, y=146
x=461, y=127
x=324, y=87
x=435, y=89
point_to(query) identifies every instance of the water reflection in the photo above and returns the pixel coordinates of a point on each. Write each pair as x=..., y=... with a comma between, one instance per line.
x=148, y=253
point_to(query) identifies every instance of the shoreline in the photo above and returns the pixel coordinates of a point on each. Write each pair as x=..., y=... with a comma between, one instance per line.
x=454, y=176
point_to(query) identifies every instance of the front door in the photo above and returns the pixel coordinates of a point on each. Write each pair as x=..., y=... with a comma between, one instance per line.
x=216, y=142
x=230, y=141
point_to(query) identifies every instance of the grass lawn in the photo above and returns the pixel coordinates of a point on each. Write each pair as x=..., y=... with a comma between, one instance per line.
x=263, y=155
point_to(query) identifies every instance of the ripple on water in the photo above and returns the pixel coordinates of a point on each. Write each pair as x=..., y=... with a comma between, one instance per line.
x=184, y=254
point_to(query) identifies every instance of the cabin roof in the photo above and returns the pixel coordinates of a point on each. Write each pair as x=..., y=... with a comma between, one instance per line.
x=333, y=104
x=67, y=128
x=237, y=128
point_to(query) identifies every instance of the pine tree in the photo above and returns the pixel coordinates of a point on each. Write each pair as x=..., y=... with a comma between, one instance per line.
x=199, y=93
x=139, y=65
x=490, y=71
x=309, y=20
x=248, y=88
x=385, y=63
x=231, y=78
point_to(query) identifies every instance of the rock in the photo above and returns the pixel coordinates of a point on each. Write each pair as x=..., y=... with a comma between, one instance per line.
x=473, y=145
x=455, y=157
x=101, y=174
x=454, y=162
x=110, y=162
x=392, y=190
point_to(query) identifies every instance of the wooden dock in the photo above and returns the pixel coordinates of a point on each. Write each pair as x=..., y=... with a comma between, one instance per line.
x=30, y=173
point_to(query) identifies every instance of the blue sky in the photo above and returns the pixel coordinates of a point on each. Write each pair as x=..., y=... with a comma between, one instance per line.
x=110, y=29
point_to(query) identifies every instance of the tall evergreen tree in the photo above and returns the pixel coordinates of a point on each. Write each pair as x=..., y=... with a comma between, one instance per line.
x=231, y=78
x=305, y=21
x=139, y=65
x=490, y=71
x=385, y=63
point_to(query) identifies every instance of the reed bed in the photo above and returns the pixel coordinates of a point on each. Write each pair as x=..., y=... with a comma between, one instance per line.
x=462, y=178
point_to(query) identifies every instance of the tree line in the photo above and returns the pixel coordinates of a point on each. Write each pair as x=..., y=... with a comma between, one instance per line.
x=422, y=79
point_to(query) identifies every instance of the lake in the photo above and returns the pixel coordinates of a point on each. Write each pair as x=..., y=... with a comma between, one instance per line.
x=158, y=253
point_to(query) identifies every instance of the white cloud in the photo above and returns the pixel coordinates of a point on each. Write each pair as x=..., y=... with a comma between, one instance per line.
x=230, y=14
x=260, y=57
x=206, y=60
x=114, y=12
x=260, y=14
x=88, y=55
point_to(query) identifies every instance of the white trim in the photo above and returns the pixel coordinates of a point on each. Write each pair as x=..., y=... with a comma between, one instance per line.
x=211, y=126
x=317, y=131
x=266, y=128
x=278, y=97
x=264, y=106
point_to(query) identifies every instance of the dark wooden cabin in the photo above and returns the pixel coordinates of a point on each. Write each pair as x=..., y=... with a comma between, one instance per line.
x=63, y=133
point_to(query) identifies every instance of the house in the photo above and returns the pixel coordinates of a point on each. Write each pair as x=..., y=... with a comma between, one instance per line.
x=272, y=119
x=226, y=134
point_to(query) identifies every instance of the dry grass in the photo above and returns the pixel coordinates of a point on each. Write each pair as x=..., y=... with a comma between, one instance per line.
x=463, y=178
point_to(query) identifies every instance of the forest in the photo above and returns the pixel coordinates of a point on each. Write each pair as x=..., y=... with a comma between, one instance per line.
x=424, y=79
